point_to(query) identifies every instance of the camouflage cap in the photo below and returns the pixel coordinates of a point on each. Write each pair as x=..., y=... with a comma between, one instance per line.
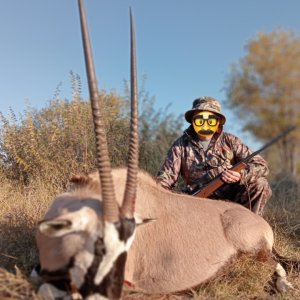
x=208, y=104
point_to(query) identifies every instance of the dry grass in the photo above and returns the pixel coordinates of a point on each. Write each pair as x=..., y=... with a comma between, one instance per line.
x=247, y=279
x=21, y=208
x=16, y=286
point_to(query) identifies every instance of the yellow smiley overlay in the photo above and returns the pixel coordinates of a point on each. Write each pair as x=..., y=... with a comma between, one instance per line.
x=205, y=123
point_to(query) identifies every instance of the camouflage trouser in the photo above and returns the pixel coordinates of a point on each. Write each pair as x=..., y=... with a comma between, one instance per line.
x=252, y=195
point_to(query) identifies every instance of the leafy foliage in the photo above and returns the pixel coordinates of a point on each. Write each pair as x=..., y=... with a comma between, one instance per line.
x=57, y=141
x=158, y=130
x=264, y=89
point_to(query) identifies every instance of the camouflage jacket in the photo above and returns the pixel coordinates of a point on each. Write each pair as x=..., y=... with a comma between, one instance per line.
x=196, y=166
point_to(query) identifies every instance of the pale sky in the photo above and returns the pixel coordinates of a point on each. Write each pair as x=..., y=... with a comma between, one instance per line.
x=184, y=47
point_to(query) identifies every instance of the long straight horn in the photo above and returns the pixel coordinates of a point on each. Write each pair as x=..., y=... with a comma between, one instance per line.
x=110, y=207
x=127, y=208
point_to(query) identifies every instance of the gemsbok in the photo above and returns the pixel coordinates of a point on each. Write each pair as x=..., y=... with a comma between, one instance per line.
x=182, y=241
x=91, y=238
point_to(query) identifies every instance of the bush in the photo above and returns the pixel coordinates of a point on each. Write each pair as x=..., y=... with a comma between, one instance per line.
x=54, y=143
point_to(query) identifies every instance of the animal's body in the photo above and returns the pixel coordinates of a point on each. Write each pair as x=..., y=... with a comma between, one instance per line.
x=190, y=241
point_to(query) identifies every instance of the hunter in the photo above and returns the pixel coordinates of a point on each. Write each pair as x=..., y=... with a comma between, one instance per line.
x=204, y=151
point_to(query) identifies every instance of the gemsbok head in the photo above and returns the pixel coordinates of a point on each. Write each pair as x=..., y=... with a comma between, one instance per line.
x=92, y=237
x=85, y=237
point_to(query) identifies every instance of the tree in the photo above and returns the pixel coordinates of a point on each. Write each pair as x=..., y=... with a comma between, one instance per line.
x=264, y=89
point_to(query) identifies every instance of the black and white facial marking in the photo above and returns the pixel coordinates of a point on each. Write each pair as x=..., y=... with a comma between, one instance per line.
x=96, y=272
x=105, y=276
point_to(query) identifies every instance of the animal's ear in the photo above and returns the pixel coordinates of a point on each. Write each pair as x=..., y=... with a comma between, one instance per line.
x=141, y=221
x=80, y=179
x=91, y=181
x=68, y=223
x=55, y=228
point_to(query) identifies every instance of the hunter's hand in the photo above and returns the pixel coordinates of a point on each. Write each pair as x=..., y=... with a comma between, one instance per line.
x=230, y=176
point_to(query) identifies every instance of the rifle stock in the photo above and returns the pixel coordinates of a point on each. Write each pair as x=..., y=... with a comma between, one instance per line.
x=217, y=182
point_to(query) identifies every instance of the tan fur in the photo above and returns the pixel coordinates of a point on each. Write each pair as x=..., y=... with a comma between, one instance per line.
x=191, y=240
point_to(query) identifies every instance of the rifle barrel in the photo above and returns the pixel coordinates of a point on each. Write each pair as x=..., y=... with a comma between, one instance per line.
x=273, y=141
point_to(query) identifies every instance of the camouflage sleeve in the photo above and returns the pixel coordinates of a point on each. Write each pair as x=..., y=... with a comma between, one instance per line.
x=170, y=170
x=256, y=167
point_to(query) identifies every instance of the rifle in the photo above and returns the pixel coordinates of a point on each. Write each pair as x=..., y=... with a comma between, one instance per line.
x=217, y=182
